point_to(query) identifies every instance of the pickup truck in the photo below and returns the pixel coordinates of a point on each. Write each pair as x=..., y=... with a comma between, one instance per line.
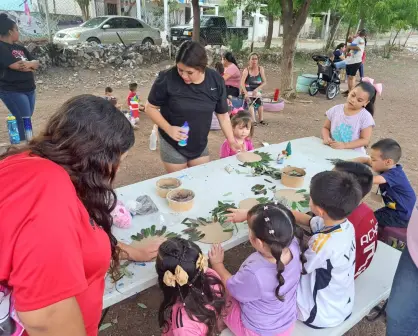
x=213, y=31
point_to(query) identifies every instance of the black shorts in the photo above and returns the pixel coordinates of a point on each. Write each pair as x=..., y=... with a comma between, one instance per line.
x=232, y=91
x=351, y=69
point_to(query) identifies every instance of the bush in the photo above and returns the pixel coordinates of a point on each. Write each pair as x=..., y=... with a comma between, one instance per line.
x=235, y=43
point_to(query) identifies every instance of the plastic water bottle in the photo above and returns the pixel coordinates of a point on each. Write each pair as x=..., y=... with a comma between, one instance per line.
x=153, y=140
x=13, y=130
x=27, y=124
x=186, y=129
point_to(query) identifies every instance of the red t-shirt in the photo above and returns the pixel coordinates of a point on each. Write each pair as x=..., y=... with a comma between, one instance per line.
x=49, y=250
x=365, y=226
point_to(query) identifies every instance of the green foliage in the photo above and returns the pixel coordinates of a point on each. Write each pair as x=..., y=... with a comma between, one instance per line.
x=235, y=43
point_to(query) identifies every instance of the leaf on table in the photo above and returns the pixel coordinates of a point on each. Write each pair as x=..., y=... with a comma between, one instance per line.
x=141, y=305
x=228, y=230
x=300, y=191
x=294, y=206
x=105, y=326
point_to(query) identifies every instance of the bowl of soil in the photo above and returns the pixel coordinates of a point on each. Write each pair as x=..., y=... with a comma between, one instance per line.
x=165, y=185
x=180, y=200
x=293, y=177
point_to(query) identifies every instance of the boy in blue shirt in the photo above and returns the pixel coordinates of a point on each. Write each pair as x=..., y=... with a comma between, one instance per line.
x=394, y=186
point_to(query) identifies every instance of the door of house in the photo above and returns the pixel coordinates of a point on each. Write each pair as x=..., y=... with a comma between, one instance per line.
x=111, y=9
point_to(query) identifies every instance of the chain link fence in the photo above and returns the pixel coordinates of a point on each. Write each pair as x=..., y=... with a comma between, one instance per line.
x=41, y=19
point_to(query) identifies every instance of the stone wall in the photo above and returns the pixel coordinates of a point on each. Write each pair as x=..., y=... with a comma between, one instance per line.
x=93, y=56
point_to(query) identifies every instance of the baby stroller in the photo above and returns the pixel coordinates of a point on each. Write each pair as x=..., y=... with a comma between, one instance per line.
x=328, y=81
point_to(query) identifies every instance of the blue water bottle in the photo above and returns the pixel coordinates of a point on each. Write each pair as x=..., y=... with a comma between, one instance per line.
x=13, y=130
x=186, y=129
x=27, y=125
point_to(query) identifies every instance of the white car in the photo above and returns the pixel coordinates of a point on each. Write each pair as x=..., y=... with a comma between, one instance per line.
x=104, y=30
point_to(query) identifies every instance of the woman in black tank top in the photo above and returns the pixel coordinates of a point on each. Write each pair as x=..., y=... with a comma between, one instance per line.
x=252, y=81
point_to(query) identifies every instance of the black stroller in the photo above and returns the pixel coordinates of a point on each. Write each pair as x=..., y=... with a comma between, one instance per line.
x=328, y=81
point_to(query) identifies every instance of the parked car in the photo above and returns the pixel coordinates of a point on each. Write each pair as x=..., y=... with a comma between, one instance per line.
x=213, y=30
x=103, y=30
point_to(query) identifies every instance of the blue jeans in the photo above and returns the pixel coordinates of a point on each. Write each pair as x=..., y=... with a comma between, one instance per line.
x=20, y=104
x=402, y=309
x=361, y=70
x=340, y=64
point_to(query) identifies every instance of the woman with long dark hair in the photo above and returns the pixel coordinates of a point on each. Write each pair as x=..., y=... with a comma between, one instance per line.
x=17, y=83
x=188, y=92
x=232, y=74
x=56, y=199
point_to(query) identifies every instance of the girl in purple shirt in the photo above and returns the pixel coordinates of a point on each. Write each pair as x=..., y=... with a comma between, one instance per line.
x=350, y=125
x=263, y=292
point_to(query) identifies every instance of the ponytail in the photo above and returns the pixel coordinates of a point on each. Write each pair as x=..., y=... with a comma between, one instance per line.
x=230, y=58
x=276, y=252
x=369, y=88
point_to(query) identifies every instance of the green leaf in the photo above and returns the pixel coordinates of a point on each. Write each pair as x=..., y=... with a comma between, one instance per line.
x=228, y=230
x=163, y=230
x=228, y=194
x=294, y=206
x=153, y=227
x=301, y=191
x=105, y=326
x=141, y=305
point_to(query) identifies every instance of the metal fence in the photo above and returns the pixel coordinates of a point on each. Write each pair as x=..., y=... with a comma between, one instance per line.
x=40, y=19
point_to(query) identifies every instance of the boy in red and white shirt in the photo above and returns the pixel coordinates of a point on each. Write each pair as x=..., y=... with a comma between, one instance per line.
x=362, y=218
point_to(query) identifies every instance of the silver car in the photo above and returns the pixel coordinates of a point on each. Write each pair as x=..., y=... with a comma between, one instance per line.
x=103, y=30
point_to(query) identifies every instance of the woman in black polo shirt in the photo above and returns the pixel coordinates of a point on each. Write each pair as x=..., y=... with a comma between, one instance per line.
x=190, y=92
x=17, y=83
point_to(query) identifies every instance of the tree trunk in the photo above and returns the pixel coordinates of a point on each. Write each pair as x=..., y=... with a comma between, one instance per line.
x=396, y=36
x=196, y=21
x=407, y=38
x=293, y=21
x=288, y=57
x=333, y=31
x=267, y=44
x=348, y=32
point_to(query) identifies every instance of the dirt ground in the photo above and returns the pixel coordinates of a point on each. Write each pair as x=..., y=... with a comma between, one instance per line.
x=396, y=117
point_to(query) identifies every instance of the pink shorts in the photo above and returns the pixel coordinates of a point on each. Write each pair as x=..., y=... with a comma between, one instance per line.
x=234, y=322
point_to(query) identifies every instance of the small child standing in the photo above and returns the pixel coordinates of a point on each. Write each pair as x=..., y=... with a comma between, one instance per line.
x=109, y=96
x=194, y=297
x=263, y=291
x=362, y=218
x=396, y=190
x=350, y=125
x=243, y=129
x=132, y=96
x=325, y=295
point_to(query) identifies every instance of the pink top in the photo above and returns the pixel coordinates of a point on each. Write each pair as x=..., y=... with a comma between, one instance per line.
x=412, y=235
x=235, y=76
x=227, y=151
x=182, y=324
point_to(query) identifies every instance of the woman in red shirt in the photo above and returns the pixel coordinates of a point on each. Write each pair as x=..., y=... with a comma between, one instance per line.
x=56, y=197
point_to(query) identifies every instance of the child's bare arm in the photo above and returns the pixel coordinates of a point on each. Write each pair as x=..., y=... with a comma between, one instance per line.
x=303, y=220
x=364, y=160
x=364, y=140
x=379, y=179
x=326, y=132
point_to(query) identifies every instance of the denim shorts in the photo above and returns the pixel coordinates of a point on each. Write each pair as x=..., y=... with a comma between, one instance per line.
x=170, y=155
